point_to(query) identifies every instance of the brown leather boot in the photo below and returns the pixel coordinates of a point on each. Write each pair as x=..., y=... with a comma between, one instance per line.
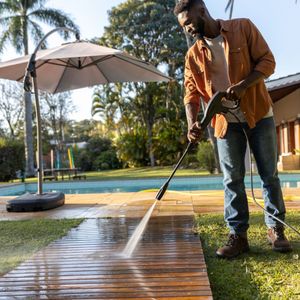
x=236, y=245
x=278, y=240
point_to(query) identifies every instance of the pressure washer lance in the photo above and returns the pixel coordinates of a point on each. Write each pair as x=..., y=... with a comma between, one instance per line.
x=216, y=106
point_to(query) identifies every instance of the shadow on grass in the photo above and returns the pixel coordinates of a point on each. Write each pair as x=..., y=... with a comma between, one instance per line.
x=259, y=274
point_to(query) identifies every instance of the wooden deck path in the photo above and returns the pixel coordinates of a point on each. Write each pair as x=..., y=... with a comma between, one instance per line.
x=86, y=264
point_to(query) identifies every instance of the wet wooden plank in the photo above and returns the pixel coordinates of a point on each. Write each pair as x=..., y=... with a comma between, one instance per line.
x=86, y=264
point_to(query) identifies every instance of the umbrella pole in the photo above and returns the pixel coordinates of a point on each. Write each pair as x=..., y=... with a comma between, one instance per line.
x=31, y=71
x=39, y=137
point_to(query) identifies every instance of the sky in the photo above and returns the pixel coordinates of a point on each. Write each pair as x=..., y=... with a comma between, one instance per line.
x=278, y=21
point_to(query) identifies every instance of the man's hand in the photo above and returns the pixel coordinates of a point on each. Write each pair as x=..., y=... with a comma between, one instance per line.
x=194, y=132
x=236, y=92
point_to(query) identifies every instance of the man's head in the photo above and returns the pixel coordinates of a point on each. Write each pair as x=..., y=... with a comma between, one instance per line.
x=192, y=15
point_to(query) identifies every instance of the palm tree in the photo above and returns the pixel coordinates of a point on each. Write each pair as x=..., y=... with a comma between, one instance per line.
x=20, y=20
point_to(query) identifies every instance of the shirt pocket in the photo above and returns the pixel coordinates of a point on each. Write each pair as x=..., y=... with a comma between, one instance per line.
x=237, y=53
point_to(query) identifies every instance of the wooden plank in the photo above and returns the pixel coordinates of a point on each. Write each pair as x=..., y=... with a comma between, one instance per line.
x=86, y=264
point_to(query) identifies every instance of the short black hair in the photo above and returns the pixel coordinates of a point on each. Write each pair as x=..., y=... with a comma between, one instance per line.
x=185, y=5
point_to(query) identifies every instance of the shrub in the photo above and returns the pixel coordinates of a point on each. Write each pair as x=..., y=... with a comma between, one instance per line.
x=107, y=160
x=99, y=154
x=12, y=158
x=132, y=149
x=205, y=156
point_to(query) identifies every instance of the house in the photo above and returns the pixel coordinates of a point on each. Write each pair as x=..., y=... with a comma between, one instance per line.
x=285, y=93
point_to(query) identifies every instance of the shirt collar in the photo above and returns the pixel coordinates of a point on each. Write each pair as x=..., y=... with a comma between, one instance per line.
x=225, y=25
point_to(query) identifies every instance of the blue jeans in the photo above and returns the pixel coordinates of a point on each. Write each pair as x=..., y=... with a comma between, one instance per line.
x=232, y=150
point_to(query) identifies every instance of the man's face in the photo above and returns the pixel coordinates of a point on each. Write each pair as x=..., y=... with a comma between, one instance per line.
x=192, y=21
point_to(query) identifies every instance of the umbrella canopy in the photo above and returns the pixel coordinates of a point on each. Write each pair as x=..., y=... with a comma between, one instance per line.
x=81, y=64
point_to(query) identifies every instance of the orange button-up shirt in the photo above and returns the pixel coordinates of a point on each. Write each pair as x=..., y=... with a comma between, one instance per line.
x=245, y=51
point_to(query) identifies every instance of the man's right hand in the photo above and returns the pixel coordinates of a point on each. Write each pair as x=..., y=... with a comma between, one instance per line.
x=194, y=133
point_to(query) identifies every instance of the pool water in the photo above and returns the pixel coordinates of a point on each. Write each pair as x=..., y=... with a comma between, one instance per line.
x=118, y=186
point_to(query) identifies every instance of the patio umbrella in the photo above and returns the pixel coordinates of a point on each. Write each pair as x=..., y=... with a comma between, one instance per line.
x=70, y=66
x=81, y=64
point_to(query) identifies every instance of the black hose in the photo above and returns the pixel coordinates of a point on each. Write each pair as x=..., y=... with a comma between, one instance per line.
x=251, y=182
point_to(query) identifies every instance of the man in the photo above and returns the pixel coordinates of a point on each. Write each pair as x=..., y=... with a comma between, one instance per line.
x=233, y=56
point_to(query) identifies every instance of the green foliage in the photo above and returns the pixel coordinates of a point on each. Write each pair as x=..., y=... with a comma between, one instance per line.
x=18, y=15
x=145, y=110
x=138, y=27
x=20, y=239
x=259, y=274
x=107, y=160
x=132, y=149
x=99, y=154
x=169, y=142
x=205, y=156
x=11, y=158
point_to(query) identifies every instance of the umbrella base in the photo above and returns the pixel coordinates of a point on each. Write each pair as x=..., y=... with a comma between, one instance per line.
x=35, y=202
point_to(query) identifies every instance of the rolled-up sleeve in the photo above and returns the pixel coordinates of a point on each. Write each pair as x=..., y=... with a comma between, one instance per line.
x=192, y=95
x=259, y=50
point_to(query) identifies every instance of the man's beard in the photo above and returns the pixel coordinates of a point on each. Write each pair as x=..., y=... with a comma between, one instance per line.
x=200, y=30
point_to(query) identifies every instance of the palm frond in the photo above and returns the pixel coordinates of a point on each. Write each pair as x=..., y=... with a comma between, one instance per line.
x=230, y=5
x=4, y=38
x=33, y=4
x=4, y=21
x=36, y=32
x=55, y=17
x=9, y=7
x=16, y=34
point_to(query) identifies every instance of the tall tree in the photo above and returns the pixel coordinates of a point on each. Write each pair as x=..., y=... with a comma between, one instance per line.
x=20, y=20
x=11, y=106
x=55, y=112
x=153, y=38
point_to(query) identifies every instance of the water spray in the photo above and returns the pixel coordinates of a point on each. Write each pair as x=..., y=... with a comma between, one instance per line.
x=214, y=106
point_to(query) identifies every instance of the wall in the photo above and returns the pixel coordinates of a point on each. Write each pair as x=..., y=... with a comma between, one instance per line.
x=288, y=108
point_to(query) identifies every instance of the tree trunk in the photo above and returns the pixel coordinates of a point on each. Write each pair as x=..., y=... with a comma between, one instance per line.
x=28, y=136
x=150, y=145
x=149, y=119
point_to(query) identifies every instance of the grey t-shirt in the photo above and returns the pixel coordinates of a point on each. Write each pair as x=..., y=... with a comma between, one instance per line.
x=220, y=76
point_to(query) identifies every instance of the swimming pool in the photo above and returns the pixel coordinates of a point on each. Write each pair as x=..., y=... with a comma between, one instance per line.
x=136, y=185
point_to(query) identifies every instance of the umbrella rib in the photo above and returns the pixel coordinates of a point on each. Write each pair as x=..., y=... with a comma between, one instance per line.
x=98, y=60
x=44, y=62
x=95, y=63
x=66, y=64
x=60, y=79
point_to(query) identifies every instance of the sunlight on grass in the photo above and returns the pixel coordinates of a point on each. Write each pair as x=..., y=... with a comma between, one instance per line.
x=135, y=173
x=20, y=239
x=139, y=173
x=260, y=274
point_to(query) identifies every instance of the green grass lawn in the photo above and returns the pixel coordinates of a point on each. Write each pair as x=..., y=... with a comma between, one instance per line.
x=259, y=274
x=136, y=173
x=20, y=239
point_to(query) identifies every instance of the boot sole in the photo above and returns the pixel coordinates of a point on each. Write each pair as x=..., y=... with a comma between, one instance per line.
x=233, y=256
x=279, y=249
